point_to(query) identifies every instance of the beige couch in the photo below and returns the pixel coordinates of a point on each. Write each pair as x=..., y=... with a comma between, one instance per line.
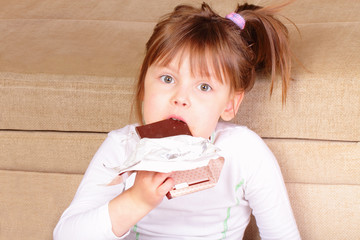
x=67, y=70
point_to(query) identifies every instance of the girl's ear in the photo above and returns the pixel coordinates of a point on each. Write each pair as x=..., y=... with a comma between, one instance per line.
x=232, y=106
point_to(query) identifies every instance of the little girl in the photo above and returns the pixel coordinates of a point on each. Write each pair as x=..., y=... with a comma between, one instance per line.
x=196, y=69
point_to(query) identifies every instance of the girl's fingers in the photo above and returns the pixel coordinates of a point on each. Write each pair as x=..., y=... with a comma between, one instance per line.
x=166, y=186
x=151, y=187
x=153, y=178
x=163, y=182
x=159, y=177
x=158, y=183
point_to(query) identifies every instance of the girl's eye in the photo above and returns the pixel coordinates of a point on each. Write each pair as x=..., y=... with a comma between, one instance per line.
x=205, y=87
x=167, y=79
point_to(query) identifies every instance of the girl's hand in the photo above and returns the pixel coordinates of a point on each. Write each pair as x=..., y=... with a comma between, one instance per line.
x=128, y=208
x=150, y=188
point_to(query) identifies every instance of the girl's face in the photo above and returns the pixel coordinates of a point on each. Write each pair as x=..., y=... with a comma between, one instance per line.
x=174, y=92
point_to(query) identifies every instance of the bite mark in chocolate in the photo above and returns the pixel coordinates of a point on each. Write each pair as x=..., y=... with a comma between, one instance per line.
x=165, y=128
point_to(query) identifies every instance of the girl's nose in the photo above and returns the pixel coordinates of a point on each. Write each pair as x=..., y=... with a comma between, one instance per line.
x=181, y=100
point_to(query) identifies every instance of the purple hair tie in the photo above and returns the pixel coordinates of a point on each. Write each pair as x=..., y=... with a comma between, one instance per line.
x=237, y=19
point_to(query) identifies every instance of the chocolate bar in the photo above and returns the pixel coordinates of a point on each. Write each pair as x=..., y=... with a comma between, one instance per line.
x=164, y=128
x=187, y=181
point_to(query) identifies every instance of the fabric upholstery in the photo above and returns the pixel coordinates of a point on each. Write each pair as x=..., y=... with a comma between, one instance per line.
x=67, y=74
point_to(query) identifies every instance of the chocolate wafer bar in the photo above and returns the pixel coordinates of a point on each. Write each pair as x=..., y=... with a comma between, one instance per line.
x=187, y=181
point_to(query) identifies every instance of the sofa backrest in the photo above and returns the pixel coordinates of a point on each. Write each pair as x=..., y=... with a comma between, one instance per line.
x=67, y=74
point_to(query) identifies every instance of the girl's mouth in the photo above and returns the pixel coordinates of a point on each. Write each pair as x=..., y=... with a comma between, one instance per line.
x=177, y=118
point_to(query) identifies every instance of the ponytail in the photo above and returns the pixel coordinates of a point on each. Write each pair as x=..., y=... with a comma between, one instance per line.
x=269, y=40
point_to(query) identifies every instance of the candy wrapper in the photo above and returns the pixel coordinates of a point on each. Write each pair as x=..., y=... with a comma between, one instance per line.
x=194, y=161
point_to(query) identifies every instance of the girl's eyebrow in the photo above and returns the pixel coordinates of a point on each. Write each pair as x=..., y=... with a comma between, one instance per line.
x=172, y=69
x=169, y=69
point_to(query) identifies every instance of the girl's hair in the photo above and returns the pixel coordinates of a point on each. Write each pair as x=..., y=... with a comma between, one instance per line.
x=217, y=43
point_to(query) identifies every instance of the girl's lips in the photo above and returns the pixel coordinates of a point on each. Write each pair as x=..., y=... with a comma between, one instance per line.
x=177, y=118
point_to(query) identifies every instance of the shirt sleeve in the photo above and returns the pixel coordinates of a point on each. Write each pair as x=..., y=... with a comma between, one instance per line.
x=87, y=217
x=267, y=196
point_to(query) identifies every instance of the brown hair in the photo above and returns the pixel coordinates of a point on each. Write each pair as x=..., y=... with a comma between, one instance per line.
x=235, y=54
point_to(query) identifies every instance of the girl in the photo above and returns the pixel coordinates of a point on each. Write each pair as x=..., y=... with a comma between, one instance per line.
x=196, y=69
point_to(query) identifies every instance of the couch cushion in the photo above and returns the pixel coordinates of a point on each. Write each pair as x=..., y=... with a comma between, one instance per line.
x=301, y=161
x=52, y=152
x=322, y=211
x=305, y=11
x=324, y=100
x=32, y=203
x=98, y=103
x=325, y=211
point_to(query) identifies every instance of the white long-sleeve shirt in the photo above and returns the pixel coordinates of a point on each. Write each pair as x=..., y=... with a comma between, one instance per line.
x=250, y=182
